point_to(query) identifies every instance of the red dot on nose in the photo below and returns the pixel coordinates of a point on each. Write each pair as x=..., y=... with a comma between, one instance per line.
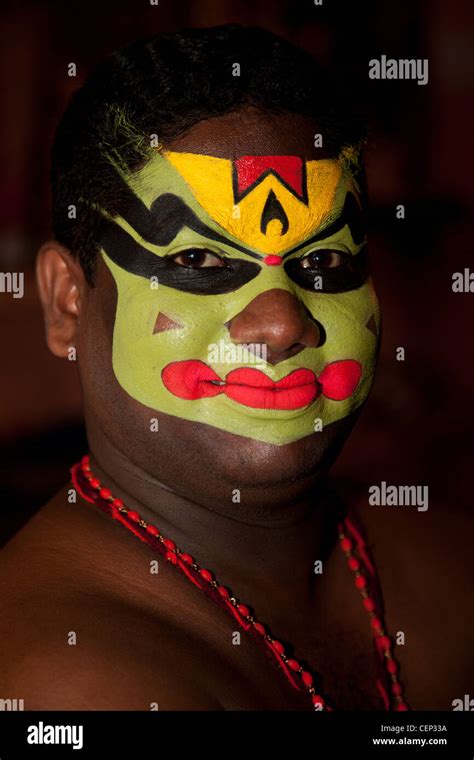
x=272, y=260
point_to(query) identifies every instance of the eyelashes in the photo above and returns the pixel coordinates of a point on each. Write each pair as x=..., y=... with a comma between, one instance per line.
x=329, y=271
x=339, y=272
x=198, y=258
x=206, y=280
x=322, y=270
x=124, y=251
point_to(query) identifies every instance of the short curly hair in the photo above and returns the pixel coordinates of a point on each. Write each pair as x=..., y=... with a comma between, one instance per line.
x=165, y=84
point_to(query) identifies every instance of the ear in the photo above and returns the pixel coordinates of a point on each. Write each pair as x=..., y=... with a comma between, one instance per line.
x=61, y=284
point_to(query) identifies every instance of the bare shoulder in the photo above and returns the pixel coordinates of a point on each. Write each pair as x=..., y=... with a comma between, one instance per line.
x=78, y=653
x=70, y=642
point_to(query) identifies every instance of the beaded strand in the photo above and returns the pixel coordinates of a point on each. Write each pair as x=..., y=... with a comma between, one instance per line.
x=360, y=566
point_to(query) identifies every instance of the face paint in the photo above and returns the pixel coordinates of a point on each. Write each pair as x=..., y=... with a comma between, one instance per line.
x=255, y=224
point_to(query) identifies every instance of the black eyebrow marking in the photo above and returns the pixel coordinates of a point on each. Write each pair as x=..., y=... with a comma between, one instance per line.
x=169, y=214
x=351, y=215
x=129, y=255
x=166, y=217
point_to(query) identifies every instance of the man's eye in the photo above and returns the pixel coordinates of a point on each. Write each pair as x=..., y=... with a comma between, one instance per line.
x=324, y=259
x=329, y=271
x=198, y=258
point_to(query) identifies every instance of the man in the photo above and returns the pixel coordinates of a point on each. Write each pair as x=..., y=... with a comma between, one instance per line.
x=209, y=196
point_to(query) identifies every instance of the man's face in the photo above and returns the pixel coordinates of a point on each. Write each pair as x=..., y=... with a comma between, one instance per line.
x=203, y=240
x=233, y=305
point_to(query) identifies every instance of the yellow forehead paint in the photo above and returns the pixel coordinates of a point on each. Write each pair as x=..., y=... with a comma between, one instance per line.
x=214, y=183
x=171, y=333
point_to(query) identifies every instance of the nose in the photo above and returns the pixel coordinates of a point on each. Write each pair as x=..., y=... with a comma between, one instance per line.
x=277, y=319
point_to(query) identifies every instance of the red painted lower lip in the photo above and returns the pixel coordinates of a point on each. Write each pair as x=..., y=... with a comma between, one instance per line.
x=193, y=379
x=253, y=388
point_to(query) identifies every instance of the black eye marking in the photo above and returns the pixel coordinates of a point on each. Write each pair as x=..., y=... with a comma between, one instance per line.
x=194, y=257
x=134, y=258
x=350, y=274
x=169, y=214
x=322, y=259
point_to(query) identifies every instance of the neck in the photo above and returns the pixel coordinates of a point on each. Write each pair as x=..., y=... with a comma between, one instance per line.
x=254, y=550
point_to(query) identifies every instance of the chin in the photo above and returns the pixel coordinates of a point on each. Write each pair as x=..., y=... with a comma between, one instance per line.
x=245, y=461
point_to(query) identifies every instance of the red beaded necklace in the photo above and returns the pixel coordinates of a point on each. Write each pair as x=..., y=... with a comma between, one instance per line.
x=351, y=542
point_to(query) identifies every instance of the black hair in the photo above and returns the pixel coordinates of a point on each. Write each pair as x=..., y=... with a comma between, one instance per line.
x=162, y=86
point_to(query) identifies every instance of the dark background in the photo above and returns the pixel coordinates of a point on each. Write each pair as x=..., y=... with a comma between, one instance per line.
x=417, y=427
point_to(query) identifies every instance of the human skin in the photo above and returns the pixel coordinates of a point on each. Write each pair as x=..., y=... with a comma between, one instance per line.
x=198, y=256
x=78, y=571
x=269, y=477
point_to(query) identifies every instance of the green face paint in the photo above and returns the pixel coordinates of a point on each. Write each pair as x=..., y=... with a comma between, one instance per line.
x=256, y=224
